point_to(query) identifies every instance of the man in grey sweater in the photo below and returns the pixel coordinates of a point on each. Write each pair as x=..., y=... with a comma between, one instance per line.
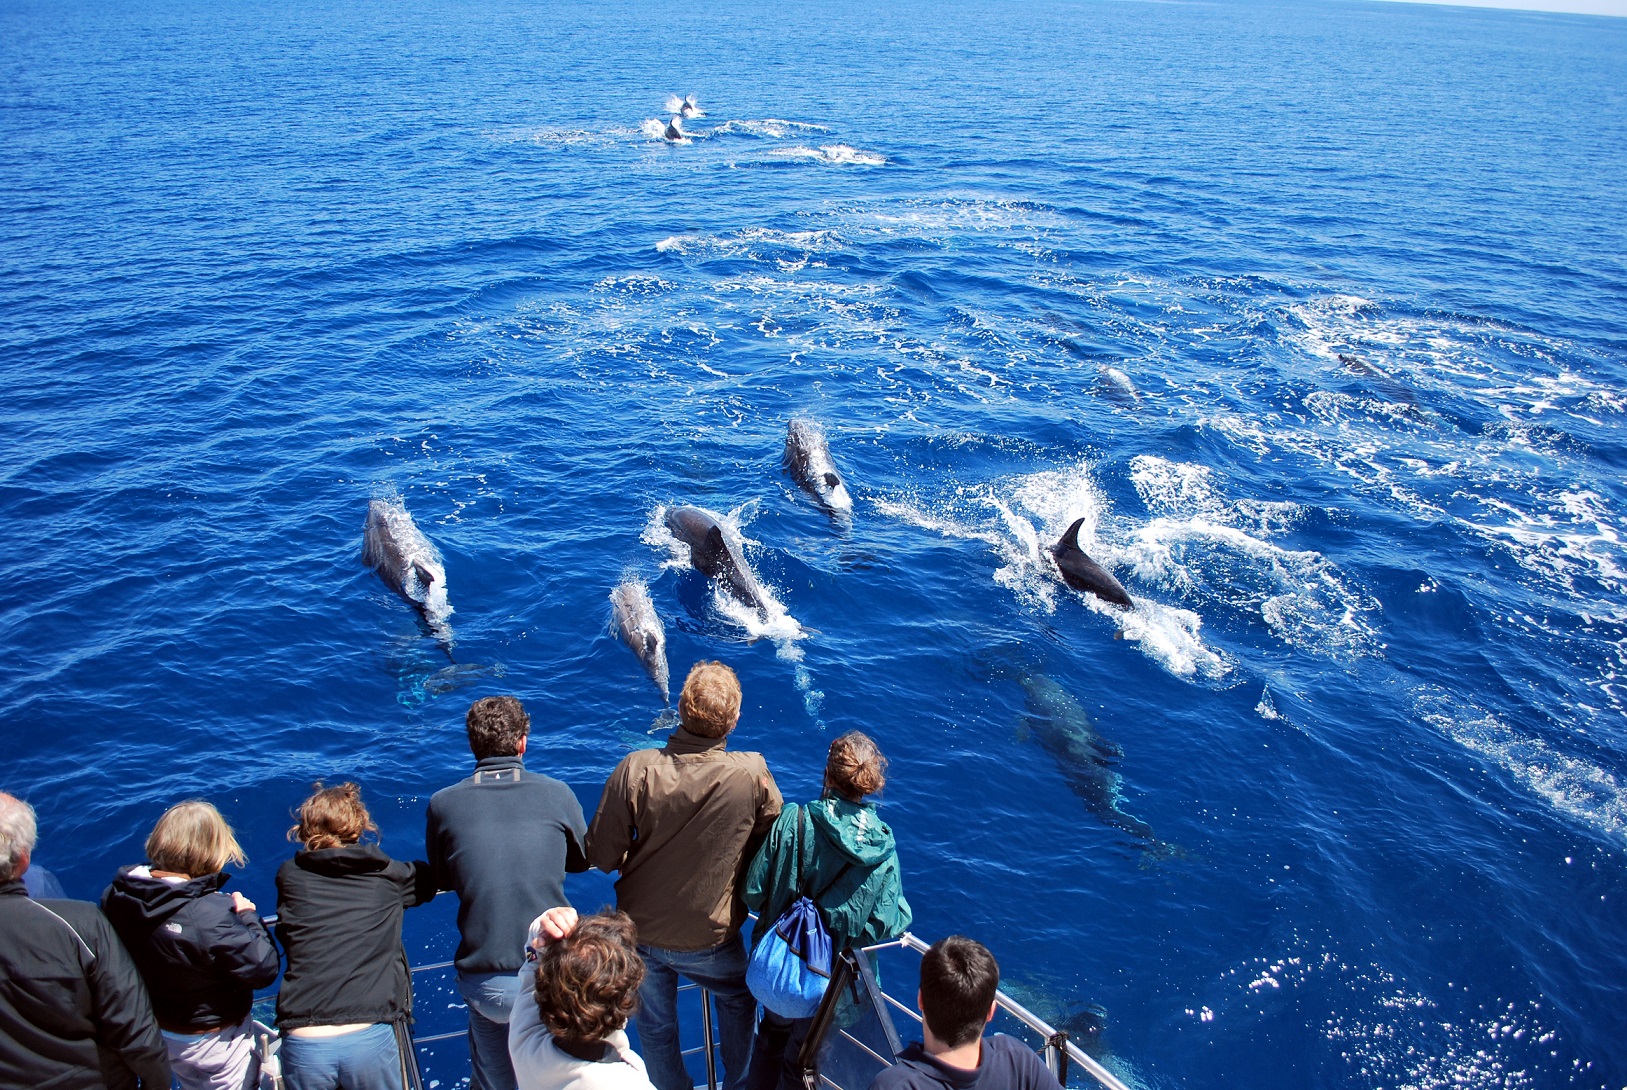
x=503, y=839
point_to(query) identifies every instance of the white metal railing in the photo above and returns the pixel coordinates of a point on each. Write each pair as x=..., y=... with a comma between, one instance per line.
x=1060, y=1053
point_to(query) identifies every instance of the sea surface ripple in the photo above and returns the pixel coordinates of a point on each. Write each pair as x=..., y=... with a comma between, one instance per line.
x=1313, y=312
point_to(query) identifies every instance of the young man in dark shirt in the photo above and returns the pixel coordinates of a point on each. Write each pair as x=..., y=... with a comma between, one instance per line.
x=958, y=980
x=503, y=839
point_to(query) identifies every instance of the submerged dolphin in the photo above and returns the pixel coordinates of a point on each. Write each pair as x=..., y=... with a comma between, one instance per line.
x=634, y=616
x=807, y=459
x=711, y=553
x=1063, y=728
x=408, y=563
x=1082, y=573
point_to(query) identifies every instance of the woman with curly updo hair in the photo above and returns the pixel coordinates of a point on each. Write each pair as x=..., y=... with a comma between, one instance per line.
x=583, y=987
x=346, y=999
x=838, y=852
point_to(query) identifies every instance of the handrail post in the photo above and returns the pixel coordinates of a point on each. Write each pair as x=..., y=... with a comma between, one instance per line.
x=1056, y=1055
x=708, y=1039
x=841, y=975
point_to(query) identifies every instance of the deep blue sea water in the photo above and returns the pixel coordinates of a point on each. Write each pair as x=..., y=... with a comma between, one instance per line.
x=1314, y=312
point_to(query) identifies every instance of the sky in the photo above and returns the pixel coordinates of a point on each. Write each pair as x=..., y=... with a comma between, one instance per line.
x=1577, y=7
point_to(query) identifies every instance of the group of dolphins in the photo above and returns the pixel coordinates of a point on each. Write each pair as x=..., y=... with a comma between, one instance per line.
x=410, y=565
x=680, y=109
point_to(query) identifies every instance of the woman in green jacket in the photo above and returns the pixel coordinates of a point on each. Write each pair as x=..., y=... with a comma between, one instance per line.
x=849, y=858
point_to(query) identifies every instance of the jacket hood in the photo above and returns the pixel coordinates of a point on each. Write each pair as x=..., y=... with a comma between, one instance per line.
x=853, y=828
x=136, y=891
x=350, y=859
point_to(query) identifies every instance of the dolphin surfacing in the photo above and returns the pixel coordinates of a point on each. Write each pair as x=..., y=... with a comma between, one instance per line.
x=634, y=616
x=408, y=562
x=1080, y=572
x=807, y=460
x=712, y=554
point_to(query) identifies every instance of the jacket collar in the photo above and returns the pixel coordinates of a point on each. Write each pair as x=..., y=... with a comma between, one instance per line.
x=350, y=859
x=13, y=888
x=493, y=764
x=682, y=742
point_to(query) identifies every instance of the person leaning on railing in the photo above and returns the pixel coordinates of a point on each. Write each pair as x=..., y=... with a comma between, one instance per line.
x=568, y=1030
x=959, y=979
x=346, y=998
x=202, y=953
x=849, y=868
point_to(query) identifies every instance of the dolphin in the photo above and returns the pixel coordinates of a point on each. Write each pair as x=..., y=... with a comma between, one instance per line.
x=1063, y=728
x=689, y=109
x=634, y=616
x=807, y=459
x=408, y=563
x=1082, y=573
x=675, y=130
x=711, y=552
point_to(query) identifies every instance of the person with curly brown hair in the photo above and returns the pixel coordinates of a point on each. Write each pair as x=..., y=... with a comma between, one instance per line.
x=569, y=1026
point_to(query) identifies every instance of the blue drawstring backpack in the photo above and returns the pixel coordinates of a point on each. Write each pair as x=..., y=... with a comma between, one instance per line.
x=791, y=965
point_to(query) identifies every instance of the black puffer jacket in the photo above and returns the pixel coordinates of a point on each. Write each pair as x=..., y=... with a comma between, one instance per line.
x=74, y=1014
x=339, y=918
x=201, y=960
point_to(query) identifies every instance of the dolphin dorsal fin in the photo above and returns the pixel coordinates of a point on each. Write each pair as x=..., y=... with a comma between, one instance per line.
x=715, y=542
x=425, y=578
x=1070, y=540
x=832, y=480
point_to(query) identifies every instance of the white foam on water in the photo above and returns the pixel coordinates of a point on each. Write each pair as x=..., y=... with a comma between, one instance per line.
x=839, y=154
x=1574, y=787
x=751, y=242
x=774, y=128
x=1204, y=545
x=773, y=621
x=1387, y=1032
x=1020, y=518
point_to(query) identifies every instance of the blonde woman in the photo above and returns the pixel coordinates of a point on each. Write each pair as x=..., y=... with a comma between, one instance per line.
x=348, y=988
x=200, y=951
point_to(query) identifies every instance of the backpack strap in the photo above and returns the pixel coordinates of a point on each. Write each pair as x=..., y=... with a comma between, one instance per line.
x=803, y=889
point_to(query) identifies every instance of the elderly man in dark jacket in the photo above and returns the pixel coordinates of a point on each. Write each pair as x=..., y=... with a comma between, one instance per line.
x=74, y=1014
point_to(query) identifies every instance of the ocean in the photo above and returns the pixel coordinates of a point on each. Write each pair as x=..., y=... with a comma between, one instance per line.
x=1314, y=313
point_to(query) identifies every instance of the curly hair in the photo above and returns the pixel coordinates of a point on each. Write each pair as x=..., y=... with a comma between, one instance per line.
x=496, y=726
x=709, y=705
x=332, y=817
x=855, y=767
x=587, y=982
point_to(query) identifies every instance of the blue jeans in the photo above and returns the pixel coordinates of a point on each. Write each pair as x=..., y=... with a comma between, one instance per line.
x=491, y=1001
x=722, y=969
x=364, y=1060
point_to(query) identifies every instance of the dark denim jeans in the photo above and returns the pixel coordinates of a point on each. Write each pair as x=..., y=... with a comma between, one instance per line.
x=491, y=1001
x=722, y=969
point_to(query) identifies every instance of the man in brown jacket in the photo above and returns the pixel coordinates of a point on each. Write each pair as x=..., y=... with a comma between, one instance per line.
x=681, y=824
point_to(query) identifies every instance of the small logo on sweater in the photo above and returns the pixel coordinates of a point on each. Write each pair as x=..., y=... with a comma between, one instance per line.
x=173, y=928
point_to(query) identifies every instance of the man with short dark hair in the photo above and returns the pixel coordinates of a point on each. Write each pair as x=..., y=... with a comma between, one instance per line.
x=681, y=824
x=503, y=839
x=959, y=978
x=74, y=1013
